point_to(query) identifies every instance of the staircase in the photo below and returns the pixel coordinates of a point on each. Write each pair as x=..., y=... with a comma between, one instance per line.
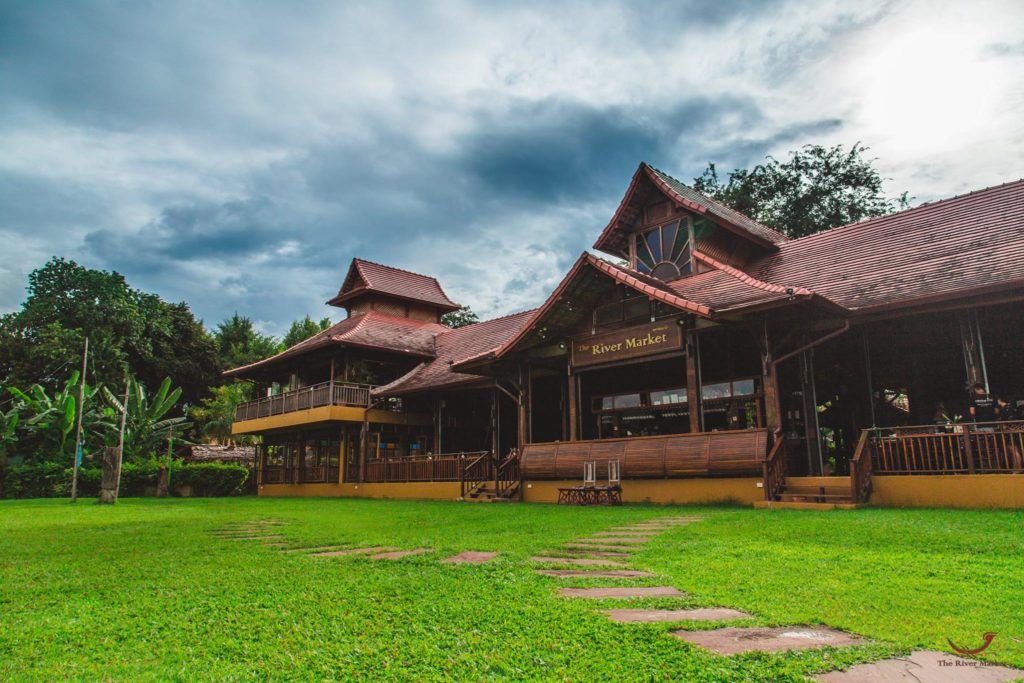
x=484, y=481
x=486, y=493
x=812, y=493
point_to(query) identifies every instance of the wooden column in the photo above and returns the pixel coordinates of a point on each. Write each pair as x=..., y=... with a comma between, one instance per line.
x=495, y=423
x=572, y=396
x=770, y=379
x=300, y=456
x=363, y=436
x=810, y=410
x=522, y=406
x=692, y=382
x=974, y=358
x=342, y=465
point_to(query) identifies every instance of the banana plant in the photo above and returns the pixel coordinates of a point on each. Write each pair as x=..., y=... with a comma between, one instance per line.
x=146, y=427
x=48, y=420
x=8, y=431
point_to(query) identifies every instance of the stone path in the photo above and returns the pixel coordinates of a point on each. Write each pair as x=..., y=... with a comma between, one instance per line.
x=578, y=561
x=354, y=551
x=656, y=615
x=623, y=592
x=924, y=667
x=596, y=573
x=732, y=641
x=399, y=554
x=471, y=557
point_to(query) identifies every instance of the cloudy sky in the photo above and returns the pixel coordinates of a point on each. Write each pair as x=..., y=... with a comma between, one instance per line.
x=236, y=155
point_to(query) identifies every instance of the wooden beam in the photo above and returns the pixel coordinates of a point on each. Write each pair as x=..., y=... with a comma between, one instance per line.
x=692, y=383
x=572, y=396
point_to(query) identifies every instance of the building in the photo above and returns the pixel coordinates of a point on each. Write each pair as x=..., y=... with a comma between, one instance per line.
x=710, y=356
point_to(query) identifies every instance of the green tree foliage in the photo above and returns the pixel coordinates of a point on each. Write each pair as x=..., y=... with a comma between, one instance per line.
x=304, y=329
x=129, y=331
x=240, y=343
x=46, y=423
x=213, y=417
x=146, y=427
x=817, y=188
x=460, y=318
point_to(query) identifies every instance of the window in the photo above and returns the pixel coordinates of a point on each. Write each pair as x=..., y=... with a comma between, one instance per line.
x=666, y=251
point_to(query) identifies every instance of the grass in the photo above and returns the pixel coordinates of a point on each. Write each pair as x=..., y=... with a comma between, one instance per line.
x=145, y=591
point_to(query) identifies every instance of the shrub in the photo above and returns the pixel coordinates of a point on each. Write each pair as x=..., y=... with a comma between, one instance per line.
x=50, y=479
x=211, y=478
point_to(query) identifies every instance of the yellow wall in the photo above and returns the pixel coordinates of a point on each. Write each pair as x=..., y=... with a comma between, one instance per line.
x=949, y=490
x=663, y=491
x=438, y=490
x=327, y=414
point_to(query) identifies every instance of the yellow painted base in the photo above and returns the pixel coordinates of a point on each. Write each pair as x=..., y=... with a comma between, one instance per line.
x=439, y=490
x=328, y=414
x=949, y=491
x=663, y=491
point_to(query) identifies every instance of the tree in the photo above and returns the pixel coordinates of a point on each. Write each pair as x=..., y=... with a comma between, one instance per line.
x=304, y=329
x=214, y=416
x=129, y=332
x=460, y=318
x=240, y=343
x=146, y=425
x=817, y=188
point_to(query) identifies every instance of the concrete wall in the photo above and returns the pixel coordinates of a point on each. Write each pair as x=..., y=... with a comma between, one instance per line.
x=950, y=491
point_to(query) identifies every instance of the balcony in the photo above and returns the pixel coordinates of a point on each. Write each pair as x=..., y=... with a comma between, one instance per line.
x=313, y=396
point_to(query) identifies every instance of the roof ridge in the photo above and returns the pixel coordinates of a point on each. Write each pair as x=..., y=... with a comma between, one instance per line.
x=711, y=199
x=925, y=205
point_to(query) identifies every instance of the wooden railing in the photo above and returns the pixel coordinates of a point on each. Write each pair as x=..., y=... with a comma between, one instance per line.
x=275, y=475
x=314, y=396
x=967, y=448
x=318, y=474
x=477, y=472
x=775, y=468
x=508, y=478
x=860, y=469
x=413, y=468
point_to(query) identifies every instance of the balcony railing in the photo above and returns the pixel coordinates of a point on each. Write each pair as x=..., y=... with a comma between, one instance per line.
x=967, y=448
x=440, y=467
x=314, y=396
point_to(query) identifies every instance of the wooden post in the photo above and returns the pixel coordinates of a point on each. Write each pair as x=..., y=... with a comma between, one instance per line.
x=330, y=385
x=78, y=427
x=692, y=383
x=522, y=425
x=770, y=379
x=342, y=455
x=969, y=448
x=572, y=397
x=810, y=410
x=974, y=361
x=363, y=437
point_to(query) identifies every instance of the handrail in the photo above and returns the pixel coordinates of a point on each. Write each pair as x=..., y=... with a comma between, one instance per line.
x=415, y=468
x=508, y=475
x=860, y=469
x=775, y=468
x=475, y=473
x=313, y=396
x=954, y=448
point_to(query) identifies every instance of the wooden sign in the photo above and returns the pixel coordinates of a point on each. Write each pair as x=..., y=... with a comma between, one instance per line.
x=631, y=342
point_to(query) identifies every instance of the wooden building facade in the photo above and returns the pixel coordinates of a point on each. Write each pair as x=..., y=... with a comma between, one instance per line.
x=710, y=357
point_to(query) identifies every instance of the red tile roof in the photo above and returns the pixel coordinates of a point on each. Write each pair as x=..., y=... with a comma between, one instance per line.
x=453, y=347
x=366, y=276
x=945, y=249
x=372, y=329
x=688, y=198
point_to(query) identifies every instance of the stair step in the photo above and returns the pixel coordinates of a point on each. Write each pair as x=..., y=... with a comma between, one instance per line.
x=817, y=481
x=817, y=497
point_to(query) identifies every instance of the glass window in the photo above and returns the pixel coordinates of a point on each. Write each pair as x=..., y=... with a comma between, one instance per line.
x=718, y=390
x=627, y=401
x=665, y=251
x=743, y=387
x=668, y=397
x=635, y=308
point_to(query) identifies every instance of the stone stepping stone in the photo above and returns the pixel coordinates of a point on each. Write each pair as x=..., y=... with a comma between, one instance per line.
x=315, y=548
x=656, y=615
x=596, y=573
x=399, y=554
x=254, y=538
x=625, y=532
x=353, y=551
x=733, y=641
x=594, y=553
x=924, y=667
x=590, y=548
x=282, y=544
x=577, y=561
x=614, y=540
x=622, y=592
x=471, y=557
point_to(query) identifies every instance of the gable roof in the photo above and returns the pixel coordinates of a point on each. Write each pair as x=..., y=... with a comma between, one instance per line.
x=366, y=276
x=946, y=249
x=373, y=329
x=453, y=347
x=612, y=238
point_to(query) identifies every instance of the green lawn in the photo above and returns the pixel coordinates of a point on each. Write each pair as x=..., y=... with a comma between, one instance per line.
x=145, y=591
